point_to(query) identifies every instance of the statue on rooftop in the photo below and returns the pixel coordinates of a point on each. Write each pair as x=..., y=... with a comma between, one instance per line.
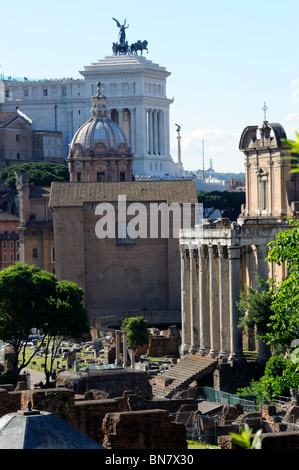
x=122, y=31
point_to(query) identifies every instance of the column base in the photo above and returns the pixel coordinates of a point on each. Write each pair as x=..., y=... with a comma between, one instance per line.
x=235, y=358
x=213, y=353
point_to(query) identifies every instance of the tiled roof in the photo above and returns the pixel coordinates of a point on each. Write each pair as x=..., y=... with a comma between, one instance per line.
x=39, y=192
x=6, y=217
x=75, y=194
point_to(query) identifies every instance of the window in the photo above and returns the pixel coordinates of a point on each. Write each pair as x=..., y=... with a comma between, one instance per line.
x=17, y=138
x=6, y=93
x=100, y=176
x=53, y=254
x=125, y=234
x=4, y=245
x=4, y=257
x=122, y=176
x=18, y=257
x=25, y=92
x=45, y=92
x=78, y=177
x=18, y=156
x=11, y=257
x=11, y=245
x=63, y=91
x=34, y=253
x=18, y=244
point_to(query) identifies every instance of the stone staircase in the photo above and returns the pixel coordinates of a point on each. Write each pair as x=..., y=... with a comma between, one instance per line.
x=181, y=375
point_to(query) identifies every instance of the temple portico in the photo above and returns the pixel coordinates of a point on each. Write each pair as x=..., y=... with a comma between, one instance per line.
x=217, y=260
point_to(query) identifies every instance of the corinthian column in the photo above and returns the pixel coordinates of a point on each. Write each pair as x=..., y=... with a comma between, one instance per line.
x=193, y=313
x=202, y=317
x=184, y=300
x=236, y=352
x=213, y=349
x=224, y=323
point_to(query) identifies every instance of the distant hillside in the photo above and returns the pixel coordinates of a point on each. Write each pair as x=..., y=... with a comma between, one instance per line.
x=220, y=176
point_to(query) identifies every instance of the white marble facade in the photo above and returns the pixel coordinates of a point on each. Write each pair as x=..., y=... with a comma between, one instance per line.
x=135, y=88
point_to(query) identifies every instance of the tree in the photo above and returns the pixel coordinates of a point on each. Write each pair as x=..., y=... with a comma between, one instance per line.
x=294, y=150
x=24, y=294
x=41, y=173
x=285, y=304
x=227, y=202
x=255, y=306
x=32, y=298
x=66, y=317
x=137, y=333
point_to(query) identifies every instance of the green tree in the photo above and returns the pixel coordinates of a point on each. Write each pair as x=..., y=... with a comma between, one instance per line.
x=137, y=333
x=66, y=317
x=227, y=202
x=41, y=173
x=280, y=375
x=255, y=306
x=24, y=294
x=285, y=304
x=294, y=150
x=32, y=298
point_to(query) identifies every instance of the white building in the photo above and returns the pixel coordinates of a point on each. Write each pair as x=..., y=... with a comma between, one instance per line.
x=136, y=92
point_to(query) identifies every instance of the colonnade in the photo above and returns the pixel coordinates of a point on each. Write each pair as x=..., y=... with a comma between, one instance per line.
x=212, y=276
x=155, y=126
x=118, y=334
x=152, y=128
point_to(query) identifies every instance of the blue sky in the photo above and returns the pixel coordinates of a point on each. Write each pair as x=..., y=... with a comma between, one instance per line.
x=226, y=58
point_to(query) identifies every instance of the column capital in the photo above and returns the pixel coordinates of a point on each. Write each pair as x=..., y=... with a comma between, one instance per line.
x=234, y=252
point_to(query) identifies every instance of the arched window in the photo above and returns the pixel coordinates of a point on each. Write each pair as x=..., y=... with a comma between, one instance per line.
x=263, y=190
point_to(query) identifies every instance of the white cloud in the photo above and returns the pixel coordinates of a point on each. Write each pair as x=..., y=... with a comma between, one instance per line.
x=220, y=145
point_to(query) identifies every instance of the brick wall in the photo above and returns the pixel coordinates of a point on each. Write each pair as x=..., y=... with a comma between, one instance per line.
x=151, y=429
x=102, y=420
x=9, y=402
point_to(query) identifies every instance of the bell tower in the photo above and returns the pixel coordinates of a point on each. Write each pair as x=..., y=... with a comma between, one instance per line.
x=271, y=187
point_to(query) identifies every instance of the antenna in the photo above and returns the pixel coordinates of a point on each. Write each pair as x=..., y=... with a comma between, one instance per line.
x=203, y=158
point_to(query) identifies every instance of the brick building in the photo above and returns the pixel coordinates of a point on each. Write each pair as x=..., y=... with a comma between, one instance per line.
x=9, y=239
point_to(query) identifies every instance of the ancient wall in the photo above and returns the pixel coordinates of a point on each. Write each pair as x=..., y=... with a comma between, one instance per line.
x=146, y=429
x=114, y=382
x=151, y=429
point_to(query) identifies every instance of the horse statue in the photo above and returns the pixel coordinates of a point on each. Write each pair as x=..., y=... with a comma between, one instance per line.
x=139, y=46
x=120, y=49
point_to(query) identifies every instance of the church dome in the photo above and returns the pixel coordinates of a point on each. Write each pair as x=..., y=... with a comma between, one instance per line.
x=99, y=135
x=100, y=150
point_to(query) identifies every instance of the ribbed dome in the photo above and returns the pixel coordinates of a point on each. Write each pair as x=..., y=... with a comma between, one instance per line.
x=99, y=135
x=100, y=130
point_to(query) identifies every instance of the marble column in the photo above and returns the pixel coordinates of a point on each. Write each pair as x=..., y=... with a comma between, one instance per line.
x=155, y=132
x=192, y=296
x=223, y=314
x=117, y=347
x=236, y=349
x=184, y=301
x=125, y=349
x=120, y=118
x=133, y=129
x=150, y=131
x=201, y=298
x=212, y=285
